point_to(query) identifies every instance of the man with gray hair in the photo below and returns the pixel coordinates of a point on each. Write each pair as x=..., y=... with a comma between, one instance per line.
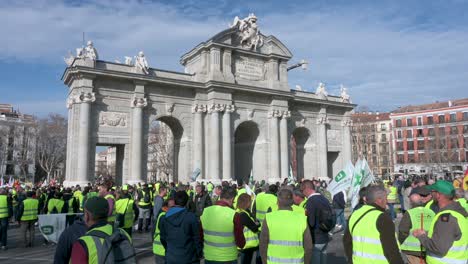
x=370, y=234
x=285, y=235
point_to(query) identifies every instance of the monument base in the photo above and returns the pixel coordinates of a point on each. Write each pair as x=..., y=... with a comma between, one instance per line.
x=74, y=183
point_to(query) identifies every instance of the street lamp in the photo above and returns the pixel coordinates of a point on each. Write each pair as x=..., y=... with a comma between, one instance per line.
x=303, y=64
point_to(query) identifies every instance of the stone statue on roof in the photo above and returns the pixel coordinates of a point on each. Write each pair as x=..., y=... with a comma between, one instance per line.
x=248, y=31
x=345, y=98
x=90, y=51
x=141, y=63
x=321, y=92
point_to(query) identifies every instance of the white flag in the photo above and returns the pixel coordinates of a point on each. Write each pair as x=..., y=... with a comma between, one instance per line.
x=342, y=180
x=367, y=176
x=52, y=226
x=356, y=184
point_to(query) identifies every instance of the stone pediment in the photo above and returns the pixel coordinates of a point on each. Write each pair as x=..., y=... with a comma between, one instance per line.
x=241, y=57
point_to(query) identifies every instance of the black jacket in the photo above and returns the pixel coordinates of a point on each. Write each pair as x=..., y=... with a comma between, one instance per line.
x=180, y=236
x=315, y=204
x=66, y=240
x=339, y=201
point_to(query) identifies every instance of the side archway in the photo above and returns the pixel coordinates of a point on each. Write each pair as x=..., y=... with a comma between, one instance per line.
x=245, y=136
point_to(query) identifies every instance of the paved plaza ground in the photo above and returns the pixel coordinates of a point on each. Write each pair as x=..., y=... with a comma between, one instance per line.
x=44, y=254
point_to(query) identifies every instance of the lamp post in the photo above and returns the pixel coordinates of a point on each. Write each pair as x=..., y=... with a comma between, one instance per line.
x=303, y=64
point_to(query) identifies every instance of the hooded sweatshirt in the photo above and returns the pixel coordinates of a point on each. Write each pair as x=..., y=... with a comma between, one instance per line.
x=180, y=236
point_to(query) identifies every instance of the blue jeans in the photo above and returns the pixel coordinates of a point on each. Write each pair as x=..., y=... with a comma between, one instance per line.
x=319, y=254
x=340, y=219
x=391, y=207
x=3, y=231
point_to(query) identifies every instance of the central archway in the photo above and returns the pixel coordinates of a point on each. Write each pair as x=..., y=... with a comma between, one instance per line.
x=245, y=137
x=164, y=137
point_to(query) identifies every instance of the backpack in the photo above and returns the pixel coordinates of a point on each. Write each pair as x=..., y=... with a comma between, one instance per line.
x=117, y=248
x=326, y=218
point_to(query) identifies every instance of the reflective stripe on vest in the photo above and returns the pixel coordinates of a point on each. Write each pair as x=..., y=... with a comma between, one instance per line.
x=286, y=231
x=142, y=199
x=158, y=248
x=367, y=247
x=111, y=218
x=411, y=243
x=30, y=209
x=3, y=206
x=251, y=238
x=218, y=232
x=458, y=252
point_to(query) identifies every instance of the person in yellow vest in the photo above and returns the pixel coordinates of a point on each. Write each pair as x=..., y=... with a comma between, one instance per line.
x=70, y=206
x=392, y=199
x=416, y=217
x=222, y=229
x=126, y=210
x=447, y=238
x=299, y=202
x=285, y=236
x=370, y=234
x=89, y=248
x=79, y=197
x=265, y=202
x=461, y=198
x=144, y=208
x=180, y=233
x=55, y=204
x=28, y=210
x=6, y=211
x=239, y=192
x=158, y=249
x=251, y=228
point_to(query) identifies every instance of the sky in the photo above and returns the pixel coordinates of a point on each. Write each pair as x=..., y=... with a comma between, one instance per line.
x=387, y=53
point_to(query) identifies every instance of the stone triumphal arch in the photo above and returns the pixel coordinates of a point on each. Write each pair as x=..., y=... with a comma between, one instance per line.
x=232, y=113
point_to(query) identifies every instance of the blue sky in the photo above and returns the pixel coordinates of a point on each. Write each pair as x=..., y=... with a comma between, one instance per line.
x=388, y=53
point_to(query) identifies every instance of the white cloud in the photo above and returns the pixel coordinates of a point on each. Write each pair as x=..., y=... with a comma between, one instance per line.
x=385, y=60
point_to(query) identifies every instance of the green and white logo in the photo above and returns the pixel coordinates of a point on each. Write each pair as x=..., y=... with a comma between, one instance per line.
x=47, y=230
x=341, y=175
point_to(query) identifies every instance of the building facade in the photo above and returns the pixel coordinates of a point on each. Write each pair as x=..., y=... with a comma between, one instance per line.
x=17, y=143
x=372, y=140
x=231, y=113
x=431, y=138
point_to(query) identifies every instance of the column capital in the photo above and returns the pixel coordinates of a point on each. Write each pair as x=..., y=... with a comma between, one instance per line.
x=199, y=108
x=275, y=113
x=322, y=119
x=230, y=108
x=138, y=102
x=346, y=122
x=286, y=114
x=83, y=97
x=216, y=108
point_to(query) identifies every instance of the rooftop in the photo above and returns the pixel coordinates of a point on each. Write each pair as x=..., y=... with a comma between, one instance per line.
x=431, y=106
x=370, y=117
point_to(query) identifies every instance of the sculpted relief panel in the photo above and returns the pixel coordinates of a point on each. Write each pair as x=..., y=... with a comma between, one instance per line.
x=112, y=119
x=249, y=68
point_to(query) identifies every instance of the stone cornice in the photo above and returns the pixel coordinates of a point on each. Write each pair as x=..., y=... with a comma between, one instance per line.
x=72, y=73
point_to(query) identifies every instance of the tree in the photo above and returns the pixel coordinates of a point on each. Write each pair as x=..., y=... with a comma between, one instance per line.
x=51, y=143
x=3, y=148
x=160, y=152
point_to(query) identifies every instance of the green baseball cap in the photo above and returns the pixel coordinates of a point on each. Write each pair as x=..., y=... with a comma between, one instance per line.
x=443, y=187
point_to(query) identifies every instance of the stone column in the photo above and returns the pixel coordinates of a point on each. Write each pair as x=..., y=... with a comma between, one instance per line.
x=214, y=144
x=198, y=111
x=85, y=99
x=136, y=140
x=227, y=143
x=322, y=121
x=346, y=148
x=274, y=146
x=284, y=142
x=227, y=68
